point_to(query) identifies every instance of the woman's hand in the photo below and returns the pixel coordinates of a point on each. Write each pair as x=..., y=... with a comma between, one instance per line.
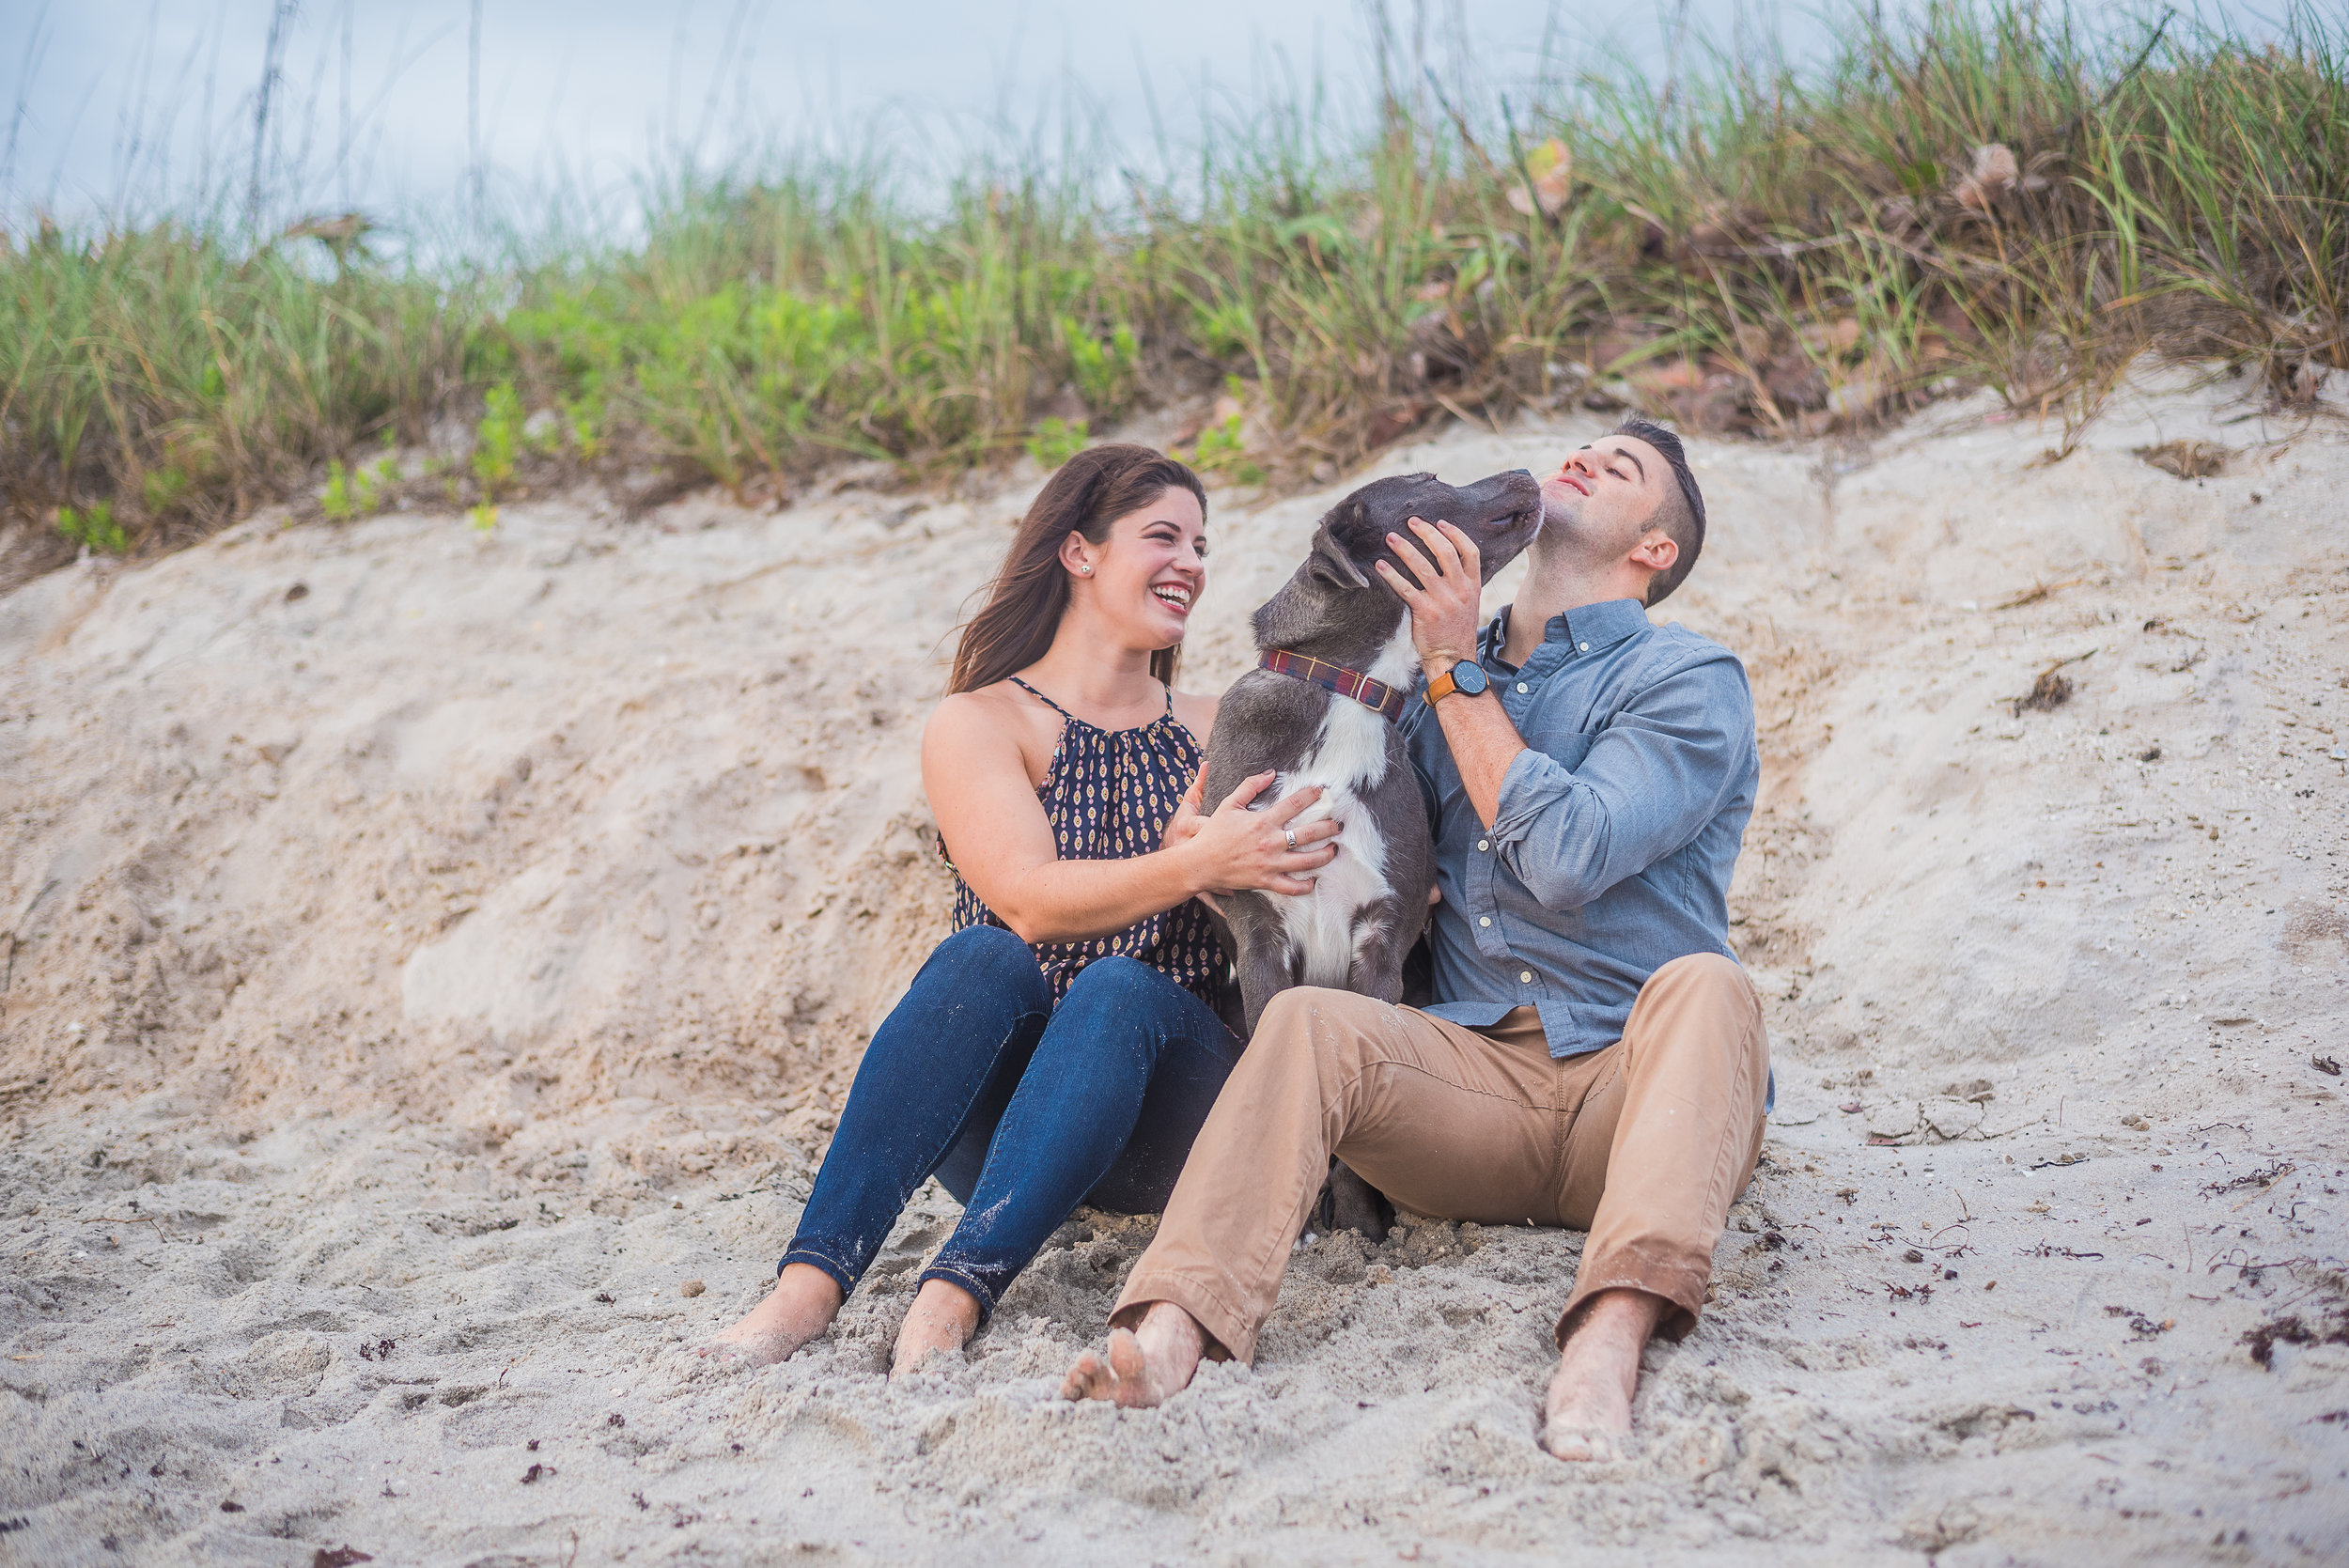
x=1188, y=820
x=1237, y=849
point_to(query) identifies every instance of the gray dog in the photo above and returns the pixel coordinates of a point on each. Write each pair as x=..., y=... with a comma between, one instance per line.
x=1335, y=672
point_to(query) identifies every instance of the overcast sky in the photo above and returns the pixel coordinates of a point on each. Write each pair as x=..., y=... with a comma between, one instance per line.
x=129, y=108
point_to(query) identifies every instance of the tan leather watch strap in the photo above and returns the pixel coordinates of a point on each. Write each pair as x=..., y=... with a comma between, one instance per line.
x=1439, y=689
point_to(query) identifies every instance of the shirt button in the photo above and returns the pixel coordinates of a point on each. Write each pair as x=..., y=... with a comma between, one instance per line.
x=1484, y=920
x=1584, y=646
x=1522, y=687
x=1525, y=977
x=1482, y=845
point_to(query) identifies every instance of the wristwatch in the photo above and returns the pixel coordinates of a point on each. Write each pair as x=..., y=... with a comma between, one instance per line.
x=1467, y=677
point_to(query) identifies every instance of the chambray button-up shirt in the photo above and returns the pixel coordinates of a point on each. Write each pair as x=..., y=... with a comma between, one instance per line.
x=1619, y=824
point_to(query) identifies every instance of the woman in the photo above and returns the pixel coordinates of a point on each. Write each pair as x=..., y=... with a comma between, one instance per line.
x=1063, y=1045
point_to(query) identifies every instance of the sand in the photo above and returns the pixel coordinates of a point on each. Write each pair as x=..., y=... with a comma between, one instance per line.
x=428, y=953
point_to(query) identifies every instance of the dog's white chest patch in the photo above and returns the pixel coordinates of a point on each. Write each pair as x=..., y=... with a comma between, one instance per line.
x=1348, y=760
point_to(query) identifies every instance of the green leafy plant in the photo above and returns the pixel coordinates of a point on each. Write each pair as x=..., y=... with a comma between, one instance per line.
x=1055, y=441
x=498, y=439
x=484, y=517
x=1103, y=369
x=93, y=527
x=580, y=418
x=370, y=484
x=1222, y=449
x=164, y=489
x=1227, y=329
x=335, y=500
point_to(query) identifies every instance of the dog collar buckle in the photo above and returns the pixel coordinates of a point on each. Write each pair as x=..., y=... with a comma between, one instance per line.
x=1387, y=700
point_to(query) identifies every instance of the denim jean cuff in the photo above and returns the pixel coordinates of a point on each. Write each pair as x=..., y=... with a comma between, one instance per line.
x=963, y=1278
x=800, y=1252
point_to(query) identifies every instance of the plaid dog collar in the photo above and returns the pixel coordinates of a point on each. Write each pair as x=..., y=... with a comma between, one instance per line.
x=1386, y=700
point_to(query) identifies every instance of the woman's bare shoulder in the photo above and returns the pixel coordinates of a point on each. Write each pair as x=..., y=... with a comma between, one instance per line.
x=989, y=721
x=958, y=708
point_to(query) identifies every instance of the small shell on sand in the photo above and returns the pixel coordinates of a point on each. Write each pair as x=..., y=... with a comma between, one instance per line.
x=691, y=1288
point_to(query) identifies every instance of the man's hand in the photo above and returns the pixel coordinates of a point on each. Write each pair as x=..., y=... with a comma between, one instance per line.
x=1444, y=607
x=1443, y=628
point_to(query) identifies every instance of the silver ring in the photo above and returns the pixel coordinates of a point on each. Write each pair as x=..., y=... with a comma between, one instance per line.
x=1290, y=833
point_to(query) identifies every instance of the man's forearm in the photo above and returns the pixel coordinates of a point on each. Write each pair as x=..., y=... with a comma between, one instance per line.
x=1444, y=598
x=1483, y=742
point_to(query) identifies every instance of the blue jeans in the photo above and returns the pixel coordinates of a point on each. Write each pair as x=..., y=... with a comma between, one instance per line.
x=1019, y=1108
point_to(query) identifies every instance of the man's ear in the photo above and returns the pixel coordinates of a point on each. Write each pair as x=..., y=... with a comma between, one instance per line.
x=1657, y=551
x=1331, y=560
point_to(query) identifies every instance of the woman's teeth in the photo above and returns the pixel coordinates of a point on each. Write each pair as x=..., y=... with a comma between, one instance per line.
x=1179, y=598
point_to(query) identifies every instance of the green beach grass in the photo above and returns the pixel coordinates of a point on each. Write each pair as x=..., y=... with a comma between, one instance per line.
x=2018, y=196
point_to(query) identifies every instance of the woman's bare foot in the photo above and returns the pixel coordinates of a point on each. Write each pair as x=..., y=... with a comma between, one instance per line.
x=802, y=1306
x=1147, y=1365
x=1589, y=1413
x=943, y=1318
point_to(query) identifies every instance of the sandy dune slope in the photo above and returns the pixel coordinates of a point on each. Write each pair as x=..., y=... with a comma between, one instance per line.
x=425, y=954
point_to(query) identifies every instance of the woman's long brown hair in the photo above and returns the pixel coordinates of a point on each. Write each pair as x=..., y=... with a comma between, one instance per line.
x=1024, y=604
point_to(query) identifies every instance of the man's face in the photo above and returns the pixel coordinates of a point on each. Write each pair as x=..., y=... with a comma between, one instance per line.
x=1603, y=498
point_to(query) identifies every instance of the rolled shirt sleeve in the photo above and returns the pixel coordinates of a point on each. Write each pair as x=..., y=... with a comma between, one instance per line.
x=1645, y=786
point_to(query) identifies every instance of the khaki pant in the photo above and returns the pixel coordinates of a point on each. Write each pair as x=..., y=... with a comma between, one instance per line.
x=1643, y=1144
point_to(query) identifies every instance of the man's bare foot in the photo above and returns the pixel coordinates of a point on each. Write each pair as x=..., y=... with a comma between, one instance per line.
x=1589, y=1413
x=1145, y=1365
x=802, y=1306
x=943, y=1318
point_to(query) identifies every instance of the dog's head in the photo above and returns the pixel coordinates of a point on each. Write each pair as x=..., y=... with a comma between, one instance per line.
x=1337, y=607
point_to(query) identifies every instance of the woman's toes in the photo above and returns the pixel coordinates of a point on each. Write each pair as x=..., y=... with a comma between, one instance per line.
x=1090, y=1378
x=1582, y=1445
x=914, y=1359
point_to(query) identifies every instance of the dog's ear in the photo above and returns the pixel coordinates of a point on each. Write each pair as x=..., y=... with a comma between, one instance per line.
x=1330, y=562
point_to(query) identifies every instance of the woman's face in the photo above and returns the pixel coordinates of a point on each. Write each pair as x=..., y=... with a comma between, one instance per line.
x=1148, y=573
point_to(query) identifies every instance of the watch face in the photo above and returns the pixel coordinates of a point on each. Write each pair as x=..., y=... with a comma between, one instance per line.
x=1468, y=676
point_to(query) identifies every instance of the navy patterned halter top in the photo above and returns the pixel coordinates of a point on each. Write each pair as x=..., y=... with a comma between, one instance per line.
x=1109, y=795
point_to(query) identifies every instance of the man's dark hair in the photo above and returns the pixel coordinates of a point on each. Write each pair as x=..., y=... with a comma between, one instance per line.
x=1682, y=518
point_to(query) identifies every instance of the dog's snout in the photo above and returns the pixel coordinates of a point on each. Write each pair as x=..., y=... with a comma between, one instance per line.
x=1501, y=513
x=1506, y=515
x=1505, y=495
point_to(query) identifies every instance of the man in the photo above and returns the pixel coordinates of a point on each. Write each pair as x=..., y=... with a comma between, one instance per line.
x=1596, y=1058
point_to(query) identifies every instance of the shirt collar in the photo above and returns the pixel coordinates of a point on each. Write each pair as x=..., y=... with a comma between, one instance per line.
x=1593, y=626
x=1585, y=629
